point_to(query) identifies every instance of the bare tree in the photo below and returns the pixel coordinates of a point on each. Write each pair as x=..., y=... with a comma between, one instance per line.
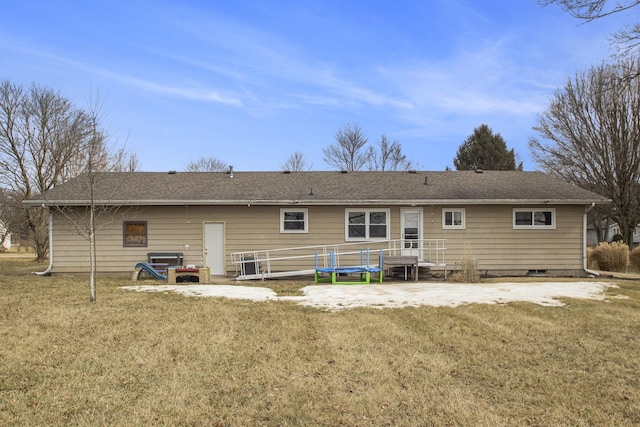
x=387, y=156
x=40, y=133
x=296, y=162
x=5, y=217
x=45, y=140
x=95, y=156
x=12, y=214
x=348, y=153
x=207, y=164
x=89, y=220
x=627, y=39
x=122, y=160
x=593, y=125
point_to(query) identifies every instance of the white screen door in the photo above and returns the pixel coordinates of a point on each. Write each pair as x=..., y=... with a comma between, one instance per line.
x=214, y=247
x=411, y=223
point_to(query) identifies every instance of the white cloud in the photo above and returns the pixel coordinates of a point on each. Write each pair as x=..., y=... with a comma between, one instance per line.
x=263, y=60
x=193, y=92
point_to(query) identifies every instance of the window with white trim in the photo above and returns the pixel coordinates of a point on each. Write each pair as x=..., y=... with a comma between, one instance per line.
x=367, y=224
x=534, y=218
x=294, y=220
x=453, y=219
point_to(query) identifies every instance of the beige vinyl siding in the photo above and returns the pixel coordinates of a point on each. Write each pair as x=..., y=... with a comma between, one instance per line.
x=171, y=228
x=497, y=247
x=488, y=234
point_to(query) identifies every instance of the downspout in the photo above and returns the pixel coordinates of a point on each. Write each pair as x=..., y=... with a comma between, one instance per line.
x=584, y=242
x=47, y=272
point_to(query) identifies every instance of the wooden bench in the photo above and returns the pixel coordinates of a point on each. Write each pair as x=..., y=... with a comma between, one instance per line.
x=161, y=260
x=405, y=261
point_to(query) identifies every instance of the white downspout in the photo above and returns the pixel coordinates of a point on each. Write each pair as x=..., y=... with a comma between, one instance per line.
x=47, y=272
x=584, y=243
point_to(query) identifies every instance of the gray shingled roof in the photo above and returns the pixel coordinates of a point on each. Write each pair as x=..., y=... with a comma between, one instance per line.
x=469, y=187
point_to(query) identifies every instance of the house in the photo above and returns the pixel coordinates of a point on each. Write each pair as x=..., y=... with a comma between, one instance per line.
x=5, y=238
x=609, y=231
x=510, y=222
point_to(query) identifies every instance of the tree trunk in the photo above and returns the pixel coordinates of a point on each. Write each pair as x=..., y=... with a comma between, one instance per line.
x=92, y=255
x=41, y=247
x=629, y=237
x=38, y=223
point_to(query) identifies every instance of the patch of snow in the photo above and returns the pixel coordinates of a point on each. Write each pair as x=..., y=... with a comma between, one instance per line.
x=340, y=297
x=226, y=291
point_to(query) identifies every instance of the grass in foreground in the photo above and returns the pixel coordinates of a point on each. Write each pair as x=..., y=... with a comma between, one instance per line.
x=162, y=359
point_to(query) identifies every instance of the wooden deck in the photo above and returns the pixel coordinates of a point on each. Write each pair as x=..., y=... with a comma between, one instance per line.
x=405, y=261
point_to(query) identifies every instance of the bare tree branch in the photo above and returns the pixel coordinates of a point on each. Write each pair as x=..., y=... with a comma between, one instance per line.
x=44, y=140
x=593, y=125
x=207, y=164
x=627, y=39
x=348, y=152
x=388, y=156
x=296, y=162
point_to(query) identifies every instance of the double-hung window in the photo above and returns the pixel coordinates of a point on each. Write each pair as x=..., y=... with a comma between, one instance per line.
x=294, y=220
x=453, y=219
x=367, y=224
x=524, y=218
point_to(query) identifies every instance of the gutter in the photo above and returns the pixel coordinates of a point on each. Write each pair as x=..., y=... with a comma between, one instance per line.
x=47, y=272
x=308, y=202
x=584, y=242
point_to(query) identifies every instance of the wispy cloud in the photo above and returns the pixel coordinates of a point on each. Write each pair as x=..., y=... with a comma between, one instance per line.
x=263, y=59
x=194, y=92
x=468, y=82
x=191, y=93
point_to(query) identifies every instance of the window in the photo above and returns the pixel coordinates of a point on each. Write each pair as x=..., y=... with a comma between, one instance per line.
x=534, y=218
x=453, y=219
x=134, y=233
x=367, y=224
x=294, y=220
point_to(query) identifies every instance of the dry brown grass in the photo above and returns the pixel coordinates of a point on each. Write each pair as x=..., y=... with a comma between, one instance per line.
x=634, y=260
x=467, y=271
x=610, y=256
x=162, y=359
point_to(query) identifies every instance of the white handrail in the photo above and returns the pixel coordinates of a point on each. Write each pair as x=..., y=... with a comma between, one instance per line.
x=427, y=250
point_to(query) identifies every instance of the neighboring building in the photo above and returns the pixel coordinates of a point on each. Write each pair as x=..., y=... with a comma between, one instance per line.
x=5, y=238
x=512, y=222
x=609, y=232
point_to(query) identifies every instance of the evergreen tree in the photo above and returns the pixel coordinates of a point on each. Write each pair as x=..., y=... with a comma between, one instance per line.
x=485, y=150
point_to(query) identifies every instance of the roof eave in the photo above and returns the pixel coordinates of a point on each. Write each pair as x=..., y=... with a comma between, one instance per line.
x=198, y=202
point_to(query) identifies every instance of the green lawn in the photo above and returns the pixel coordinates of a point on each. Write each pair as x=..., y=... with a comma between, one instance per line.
x=162, y=359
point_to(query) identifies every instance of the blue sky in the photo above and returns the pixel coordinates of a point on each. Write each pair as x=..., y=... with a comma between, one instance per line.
x=251, y=82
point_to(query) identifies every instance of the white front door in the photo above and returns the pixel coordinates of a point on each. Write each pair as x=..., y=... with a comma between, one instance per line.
x=411, y=231
x=214, y=247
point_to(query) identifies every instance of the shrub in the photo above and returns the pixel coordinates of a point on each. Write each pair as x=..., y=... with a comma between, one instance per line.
x=634, y=258
x=611, y=256
x=591, y=262
x=468, y=273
